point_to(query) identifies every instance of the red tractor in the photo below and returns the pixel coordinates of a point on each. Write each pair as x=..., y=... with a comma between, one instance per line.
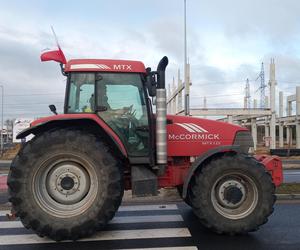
x=68, y=181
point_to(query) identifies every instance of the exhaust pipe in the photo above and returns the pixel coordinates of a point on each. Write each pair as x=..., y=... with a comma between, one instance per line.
x=161, y=115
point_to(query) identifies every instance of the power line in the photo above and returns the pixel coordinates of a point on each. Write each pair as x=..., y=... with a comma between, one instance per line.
x=218, y=104
x=213, y=96
x=211, y=83
x=35, y=94
x=37, y=103
x=290, y=82
x=26, y=113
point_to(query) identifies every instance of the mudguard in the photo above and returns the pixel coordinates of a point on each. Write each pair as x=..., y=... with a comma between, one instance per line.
x=274, y=165
x=201, y=159
x=62, y=120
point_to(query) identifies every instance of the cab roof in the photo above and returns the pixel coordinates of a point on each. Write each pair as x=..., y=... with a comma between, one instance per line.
x=108, y=65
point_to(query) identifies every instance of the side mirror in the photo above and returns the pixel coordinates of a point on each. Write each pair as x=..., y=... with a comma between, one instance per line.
x=53, y=109
x=154, y=100
x=151, y=82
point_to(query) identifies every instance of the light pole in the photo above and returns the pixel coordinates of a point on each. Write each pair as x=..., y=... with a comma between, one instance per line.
x=186, y=78
x=2, y=102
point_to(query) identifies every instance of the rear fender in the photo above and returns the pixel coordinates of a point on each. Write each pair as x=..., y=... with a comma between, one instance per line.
x=201, y=159
x=91, y=123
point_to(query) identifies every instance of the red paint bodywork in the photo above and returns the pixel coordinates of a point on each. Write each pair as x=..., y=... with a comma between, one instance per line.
x=188, y=147
x=93, y=117
x=225, y=131
x=103, y=65
x=274, y=165
x=180, y=151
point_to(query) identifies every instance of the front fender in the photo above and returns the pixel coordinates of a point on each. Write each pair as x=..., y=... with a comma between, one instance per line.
x=273, y=164
x=196, y=164
x=68, y=120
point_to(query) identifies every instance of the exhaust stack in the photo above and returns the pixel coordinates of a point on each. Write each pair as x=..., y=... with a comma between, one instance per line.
x=161, y=114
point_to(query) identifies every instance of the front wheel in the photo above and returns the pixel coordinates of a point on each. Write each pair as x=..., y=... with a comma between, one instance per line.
x=233, y=194
x=65, y=184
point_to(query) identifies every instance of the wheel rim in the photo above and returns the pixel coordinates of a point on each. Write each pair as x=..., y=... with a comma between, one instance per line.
x=234, y=195
x=65, y=185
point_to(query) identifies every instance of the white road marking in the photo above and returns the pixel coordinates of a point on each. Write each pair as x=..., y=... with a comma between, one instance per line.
x=127, y=208
x=116, y=220
x=4, y=212
x=147, y=218
x=10, y=224
x=148, y=207
x=101, y=236
x=165, y=248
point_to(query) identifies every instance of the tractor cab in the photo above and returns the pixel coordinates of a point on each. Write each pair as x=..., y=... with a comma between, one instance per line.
x=117, y=96
x=119, y=92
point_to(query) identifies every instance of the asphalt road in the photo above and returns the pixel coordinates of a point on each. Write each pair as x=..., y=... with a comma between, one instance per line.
x=290, y=176
x=172, y=226
x=4, y=164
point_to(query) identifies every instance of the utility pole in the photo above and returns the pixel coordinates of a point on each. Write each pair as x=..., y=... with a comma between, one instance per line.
x=2, y=102
x=272, y=83
x=262, y=87
x=186, y=70
x=204, y=104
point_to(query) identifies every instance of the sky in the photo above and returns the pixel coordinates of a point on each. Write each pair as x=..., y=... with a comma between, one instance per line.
x=227, y=41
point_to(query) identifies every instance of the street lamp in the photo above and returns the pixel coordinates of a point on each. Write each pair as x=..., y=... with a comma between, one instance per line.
x=2, y=102
x=186, y=77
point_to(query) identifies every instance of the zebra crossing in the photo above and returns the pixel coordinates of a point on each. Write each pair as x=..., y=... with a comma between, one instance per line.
x=133, y=227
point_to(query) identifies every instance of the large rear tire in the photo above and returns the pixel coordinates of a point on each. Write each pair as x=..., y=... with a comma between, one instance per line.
x=233, y=194
x=65, y=184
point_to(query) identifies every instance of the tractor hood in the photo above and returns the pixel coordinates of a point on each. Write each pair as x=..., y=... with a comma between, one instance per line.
x=190, y=136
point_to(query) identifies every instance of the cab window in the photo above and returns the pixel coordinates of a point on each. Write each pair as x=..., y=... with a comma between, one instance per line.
x=81, y=93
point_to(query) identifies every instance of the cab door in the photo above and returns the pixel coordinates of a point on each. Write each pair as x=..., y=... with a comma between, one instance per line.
x=121, y=103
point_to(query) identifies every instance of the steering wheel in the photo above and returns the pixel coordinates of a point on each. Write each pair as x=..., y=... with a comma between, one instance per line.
x=128, y=110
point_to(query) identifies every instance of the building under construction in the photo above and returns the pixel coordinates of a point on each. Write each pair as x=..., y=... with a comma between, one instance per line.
x=269, y=126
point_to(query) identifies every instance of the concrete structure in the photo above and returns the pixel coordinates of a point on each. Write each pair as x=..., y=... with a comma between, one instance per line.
x=281, y=123
x=272, y=84
x=174, y=98
x=262, y=120
x=247, y=98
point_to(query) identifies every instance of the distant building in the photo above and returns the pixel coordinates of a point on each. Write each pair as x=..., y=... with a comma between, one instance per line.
x=19, y=125
x=6, y=133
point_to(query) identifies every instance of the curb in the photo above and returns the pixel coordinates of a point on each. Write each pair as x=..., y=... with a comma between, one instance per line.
x=288, y=196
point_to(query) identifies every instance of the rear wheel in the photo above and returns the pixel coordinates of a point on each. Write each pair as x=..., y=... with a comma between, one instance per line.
x=233, y=194
x=65, y=184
